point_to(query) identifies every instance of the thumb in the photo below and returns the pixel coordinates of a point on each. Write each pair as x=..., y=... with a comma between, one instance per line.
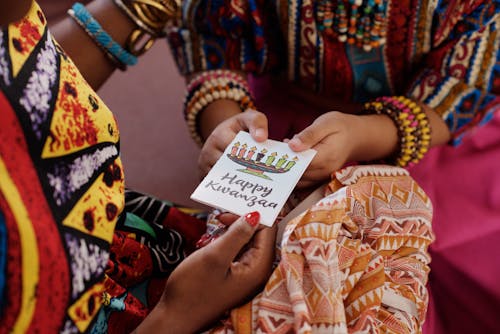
x=308, y=137
x=256, y=123
x=237, y=236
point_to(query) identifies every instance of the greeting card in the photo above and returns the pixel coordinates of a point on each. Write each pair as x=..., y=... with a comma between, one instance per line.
x=252, y=176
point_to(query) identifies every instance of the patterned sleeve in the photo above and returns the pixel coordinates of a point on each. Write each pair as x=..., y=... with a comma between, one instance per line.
x=232, y=34
x=461, y=81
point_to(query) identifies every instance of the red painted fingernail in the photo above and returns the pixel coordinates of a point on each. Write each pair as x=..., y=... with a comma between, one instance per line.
x=253, y=218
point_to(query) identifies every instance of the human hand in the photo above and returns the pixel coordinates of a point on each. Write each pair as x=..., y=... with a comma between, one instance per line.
x=252, y=121
x=215, y=278
x=340, y=138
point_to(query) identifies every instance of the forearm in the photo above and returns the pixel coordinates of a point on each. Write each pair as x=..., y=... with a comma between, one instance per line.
x=440, y=133
x=377, y=135
x=91, y=60
x=160, y=320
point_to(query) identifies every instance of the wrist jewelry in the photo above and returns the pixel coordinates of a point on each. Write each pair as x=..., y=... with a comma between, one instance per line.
x=151, y=17
x=208, y=87
x=119, y=56
x=414, y=130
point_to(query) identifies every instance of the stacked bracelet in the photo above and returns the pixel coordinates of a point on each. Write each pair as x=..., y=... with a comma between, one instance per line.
x=413, y=126
x=119, y=56
x=211, y=86
x=150, y=17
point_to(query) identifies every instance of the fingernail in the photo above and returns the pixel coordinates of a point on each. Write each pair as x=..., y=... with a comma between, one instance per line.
x=253, y=218
x=295, y=142
x=259, y=133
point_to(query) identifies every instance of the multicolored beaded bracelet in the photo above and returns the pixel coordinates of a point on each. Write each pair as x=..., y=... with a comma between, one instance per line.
x=413, y=126
x=208, y=87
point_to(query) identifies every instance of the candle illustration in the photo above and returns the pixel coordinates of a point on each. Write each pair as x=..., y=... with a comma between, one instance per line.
x=261, y=154
x=234, y=149
x=242, y=151
x=291, y=163
x=271, y=158
x=251, y=153
x=281, y=161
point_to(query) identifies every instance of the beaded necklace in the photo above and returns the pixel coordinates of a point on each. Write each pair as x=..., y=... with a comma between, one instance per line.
x=357, y=22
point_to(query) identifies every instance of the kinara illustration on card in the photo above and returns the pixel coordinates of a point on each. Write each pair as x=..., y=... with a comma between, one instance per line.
x=253, y=176
x=259, y=164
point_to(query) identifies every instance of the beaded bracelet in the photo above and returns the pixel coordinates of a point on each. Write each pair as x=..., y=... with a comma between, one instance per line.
x=120, y=57
x=209, y=87
x=414, y=130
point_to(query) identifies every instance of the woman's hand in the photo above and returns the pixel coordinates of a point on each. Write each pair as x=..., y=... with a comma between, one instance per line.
x=340, y=138
x=252, y=121
x=215, y=278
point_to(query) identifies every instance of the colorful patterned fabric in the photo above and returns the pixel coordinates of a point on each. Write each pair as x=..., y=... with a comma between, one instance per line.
x=356, y=261
x=67, y=247
x=150, y=239
x=442, y=53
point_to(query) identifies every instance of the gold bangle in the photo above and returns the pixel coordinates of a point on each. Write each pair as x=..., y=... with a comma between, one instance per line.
x=155, y=13
x=133, y=40
x=120, y=4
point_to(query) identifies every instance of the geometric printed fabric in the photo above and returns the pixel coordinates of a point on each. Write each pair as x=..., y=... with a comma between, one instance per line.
x=61, y=183
x=71, y=259
x=356, y=261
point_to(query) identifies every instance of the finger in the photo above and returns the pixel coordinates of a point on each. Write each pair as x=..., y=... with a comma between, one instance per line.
x=256, y=123
x=221, y=137
x=227, y=218
x=317, y=175
x=306, y=184
x=261, y=249
x=237, y=236
x=311, y=135
x=206, y=160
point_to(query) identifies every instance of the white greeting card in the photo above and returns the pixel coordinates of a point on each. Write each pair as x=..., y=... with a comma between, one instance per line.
x=252, y=176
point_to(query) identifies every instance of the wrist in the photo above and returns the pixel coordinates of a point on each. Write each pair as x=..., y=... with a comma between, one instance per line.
x=377, y=137
x=204, y=90
x=214, y=114
x=162, y=320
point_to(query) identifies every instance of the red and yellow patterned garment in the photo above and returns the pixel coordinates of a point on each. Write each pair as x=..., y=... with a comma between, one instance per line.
x=73, y=256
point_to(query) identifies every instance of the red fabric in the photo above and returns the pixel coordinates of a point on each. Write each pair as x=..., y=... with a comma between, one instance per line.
x=12, y=296
x=191, y=228
x=337, y=70
x=397, y=46
x=50, y=303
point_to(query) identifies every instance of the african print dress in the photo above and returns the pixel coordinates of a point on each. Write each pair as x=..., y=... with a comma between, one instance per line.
x=75, y=254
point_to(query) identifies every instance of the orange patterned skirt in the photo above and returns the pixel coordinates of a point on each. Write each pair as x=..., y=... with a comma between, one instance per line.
x=356, y=261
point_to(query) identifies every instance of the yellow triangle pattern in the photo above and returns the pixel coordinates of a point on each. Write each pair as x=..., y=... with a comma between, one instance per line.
x=80, y=312
x=24, y=36
x=95, y=212
x=80, y=119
